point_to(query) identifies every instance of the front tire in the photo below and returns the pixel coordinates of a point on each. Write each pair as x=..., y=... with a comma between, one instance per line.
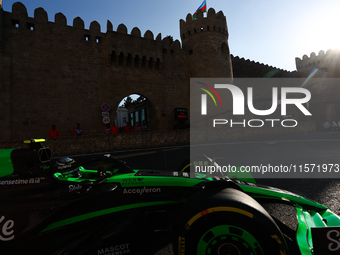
x=227, y=222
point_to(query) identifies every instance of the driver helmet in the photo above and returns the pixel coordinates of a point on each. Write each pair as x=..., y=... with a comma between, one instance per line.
x=64, y=163
x=76, y=173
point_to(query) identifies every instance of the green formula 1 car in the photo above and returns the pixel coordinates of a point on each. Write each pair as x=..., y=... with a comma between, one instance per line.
x=98, y=205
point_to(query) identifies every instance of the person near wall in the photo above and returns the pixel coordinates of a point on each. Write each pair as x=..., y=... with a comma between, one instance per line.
x=77, y=131
x=54, y=132
x=144, y=126
x=128, y=128
x=114, y=129
x=138, y=128
x=107, y=129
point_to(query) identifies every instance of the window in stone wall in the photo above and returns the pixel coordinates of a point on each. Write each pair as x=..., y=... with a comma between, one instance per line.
x=129, y=60
x=136, y=63
x=98, y=39
x=121, y=59
x=151, y=63
x=113, y=57
x=144, y=62
x=87, y=38
x=158, y=64
x=15, y=23
x=30, y=26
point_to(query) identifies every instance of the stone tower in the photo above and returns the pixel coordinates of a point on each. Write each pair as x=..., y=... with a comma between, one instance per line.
x=206, y=42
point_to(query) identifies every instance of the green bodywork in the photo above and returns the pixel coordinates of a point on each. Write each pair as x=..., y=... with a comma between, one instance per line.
x=315, y=216
x=125, y=180
x=6, y=166
x=131, y=179
x=309, y=213
x=87, y=216
x=309, y=219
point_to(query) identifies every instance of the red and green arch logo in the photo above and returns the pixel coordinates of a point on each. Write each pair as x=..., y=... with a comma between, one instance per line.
x=209, y=93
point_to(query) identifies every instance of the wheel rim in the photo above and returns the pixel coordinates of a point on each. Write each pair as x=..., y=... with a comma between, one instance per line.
x=228, y=240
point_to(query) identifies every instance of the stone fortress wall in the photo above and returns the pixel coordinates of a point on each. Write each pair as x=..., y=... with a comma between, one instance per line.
x=53, y=73
x=245, y=68
x=328, y=64
x=325, y=103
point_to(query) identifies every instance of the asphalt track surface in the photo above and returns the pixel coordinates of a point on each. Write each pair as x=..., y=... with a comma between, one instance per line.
x=316, y=148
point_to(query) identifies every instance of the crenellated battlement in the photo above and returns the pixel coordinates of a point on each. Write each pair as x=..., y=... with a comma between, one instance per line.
x=321, y=61
x=257, y=64
x=20, y=19
x=213, y=22
x=123, y=51
x=247, y=68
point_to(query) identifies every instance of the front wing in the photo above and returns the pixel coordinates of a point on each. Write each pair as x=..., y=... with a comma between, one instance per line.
x=318, y=229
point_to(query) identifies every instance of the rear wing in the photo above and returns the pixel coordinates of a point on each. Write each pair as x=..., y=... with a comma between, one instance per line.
x=43, y=154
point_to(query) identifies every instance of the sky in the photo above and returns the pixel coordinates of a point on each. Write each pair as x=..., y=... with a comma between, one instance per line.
x=269, y=32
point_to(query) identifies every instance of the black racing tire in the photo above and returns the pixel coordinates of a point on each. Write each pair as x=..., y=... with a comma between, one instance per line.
x=227, y=222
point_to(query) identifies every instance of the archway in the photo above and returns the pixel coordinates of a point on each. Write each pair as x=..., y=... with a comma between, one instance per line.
x=137, y=111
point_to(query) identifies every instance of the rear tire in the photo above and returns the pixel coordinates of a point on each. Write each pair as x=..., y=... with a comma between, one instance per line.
x=227, y=222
